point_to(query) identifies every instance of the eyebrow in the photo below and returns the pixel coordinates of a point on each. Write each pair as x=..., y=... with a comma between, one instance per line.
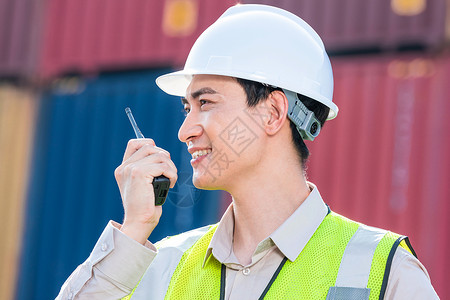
x=198, y=93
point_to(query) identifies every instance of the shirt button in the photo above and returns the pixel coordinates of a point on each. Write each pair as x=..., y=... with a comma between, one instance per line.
x=246, y=271
x=104, y=247
x=70, y=296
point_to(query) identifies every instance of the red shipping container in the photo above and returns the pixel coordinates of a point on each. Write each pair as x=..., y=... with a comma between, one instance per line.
x=20, y=25
x=384, y=160
x=87, y=36
x=354, y=25
x=49, y=37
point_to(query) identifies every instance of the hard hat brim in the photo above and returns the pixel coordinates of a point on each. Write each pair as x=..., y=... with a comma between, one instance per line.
x=176, y=84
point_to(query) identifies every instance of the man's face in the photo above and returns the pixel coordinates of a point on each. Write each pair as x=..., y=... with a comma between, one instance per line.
x=220, y=131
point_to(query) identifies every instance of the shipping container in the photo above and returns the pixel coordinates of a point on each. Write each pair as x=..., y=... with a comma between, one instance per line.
x=384, y=160
x=349, y=26
x=82, y=132
x=50, y=38
x=86, y=36
x=20, y=28
x=46, y=38
x=17, y=115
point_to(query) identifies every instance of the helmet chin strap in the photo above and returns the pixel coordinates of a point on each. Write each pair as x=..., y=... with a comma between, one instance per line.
x=305, y=120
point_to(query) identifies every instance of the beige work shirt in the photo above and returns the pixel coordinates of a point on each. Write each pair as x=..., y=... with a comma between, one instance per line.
x=117, y=262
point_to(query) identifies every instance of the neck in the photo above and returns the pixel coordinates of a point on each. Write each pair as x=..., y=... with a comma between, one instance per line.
x=261, y=209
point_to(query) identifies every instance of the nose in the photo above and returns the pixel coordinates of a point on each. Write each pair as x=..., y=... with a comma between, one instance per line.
x=190, y=128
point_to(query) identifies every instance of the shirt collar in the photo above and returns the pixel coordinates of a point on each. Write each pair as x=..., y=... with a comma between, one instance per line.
x=303, y=222
x=221, y=244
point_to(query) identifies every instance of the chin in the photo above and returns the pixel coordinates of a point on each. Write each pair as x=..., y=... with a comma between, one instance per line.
x=205, y=181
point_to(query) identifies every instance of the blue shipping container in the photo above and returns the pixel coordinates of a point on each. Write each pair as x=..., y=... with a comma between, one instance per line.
x=81, y=136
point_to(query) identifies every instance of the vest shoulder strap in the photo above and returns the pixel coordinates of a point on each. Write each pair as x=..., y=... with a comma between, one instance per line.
x=354, y=269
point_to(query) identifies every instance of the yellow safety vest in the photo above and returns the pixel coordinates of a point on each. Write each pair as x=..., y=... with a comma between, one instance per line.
x=325, y=269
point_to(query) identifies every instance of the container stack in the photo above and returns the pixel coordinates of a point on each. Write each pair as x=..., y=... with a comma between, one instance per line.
x=69, y=68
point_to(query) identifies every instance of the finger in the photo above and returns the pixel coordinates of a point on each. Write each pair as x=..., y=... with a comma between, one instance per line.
x=146, y=151
x=143, y=151
x=149, y=167
x=158, y=164
x=165, y=169
x=134, y=145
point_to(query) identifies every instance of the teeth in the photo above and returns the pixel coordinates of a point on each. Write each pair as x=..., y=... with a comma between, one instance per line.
x=199, y=153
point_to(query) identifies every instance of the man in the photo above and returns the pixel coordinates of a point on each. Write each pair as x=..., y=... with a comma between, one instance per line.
x=256, y=84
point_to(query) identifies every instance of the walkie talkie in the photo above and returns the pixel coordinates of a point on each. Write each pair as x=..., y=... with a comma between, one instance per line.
x=161, y=183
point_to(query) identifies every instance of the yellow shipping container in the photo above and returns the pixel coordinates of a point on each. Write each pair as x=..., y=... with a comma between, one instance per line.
x=17, y=119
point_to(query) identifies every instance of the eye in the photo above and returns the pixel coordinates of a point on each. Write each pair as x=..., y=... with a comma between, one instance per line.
x=186, y=110
x=203, y=102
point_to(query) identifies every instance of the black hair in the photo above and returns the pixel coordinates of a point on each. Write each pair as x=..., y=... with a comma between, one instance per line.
x=257, y=92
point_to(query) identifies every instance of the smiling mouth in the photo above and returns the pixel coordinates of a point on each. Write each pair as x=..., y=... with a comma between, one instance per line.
x=200, y=153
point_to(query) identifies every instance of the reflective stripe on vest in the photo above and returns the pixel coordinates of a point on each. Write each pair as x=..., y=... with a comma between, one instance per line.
x=354, y=270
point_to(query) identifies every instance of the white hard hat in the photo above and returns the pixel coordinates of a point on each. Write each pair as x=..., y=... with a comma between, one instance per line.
x=264, y=44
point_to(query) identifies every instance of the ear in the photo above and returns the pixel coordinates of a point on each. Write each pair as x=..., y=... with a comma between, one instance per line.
x=277, y=107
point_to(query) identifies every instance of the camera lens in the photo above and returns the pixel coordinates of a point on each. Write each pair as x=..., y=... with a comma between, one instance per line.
x=314, y=128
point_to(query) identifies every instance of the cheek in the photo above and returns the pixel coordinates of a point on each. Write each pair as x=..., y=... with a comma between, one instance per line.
x=238, y=136
x=236, y=149
x=214, y=123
